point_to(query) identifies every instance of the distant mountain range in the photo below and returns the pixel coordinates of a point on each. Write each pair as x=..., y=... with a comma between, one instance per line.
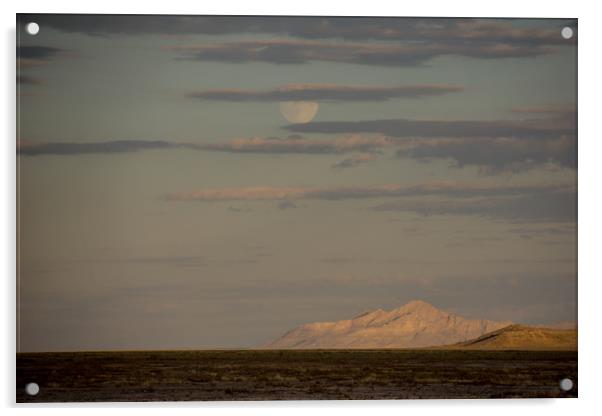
x=419, y=324
x=414, y=325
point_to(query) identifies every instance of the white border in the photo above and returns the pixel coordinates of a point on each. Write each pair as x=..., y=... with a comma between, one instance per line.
x=590, y=203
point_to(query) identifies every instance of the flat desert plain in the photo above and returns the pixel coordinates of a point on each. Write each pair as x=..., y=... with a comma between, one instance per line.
x=294, y=375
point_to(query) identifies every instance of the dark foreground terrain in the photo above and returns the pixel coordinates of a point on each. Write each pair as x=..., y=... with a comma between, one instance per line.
x=294, y=375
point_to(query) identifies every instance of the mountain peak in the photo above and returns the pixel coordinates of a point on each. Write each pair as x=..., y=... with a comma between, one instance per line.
x=418, y=302
x=415, y=324
x=416, y=305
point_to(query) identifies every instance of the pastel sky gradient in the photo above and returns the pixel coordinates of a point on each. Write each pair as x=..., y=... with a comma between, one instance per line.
x=165, y=202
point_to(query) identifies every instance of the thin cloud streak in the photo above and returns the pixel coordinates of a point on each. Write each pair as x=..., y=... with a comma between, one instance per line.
x=539, y=207
x=409, y=128
x=27, y=80
x=267, y=193
x=549, y=109
x=271, y=145
x=37, y=52
x=288, y=52
x=325, y=93
x=83, y=148
x=298, y=144
x=33, y=56
x=516, y=203
x=354, y=161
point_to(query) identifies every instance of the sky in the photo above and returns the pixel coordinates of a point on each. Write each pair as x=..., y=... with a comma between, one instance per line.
x=212, y=181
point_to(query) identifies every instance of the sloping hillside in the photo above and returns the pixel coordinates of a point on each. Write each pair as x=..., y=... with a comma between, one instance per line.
x=521, y=337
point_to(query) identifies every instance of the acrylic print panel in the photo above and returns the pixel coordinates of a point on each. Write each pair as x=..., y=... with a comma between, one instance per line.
x=284, y=208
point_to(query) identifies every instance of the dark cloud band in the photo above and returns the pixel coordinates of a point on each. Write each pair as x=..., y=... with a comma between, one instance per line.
x=272, y=145
x=411, y=54
x=328, y=93
x=350, y=28
x=37, y=52
x=498, y=155
x=118, y=146
x=440, y=128
x=27, y=80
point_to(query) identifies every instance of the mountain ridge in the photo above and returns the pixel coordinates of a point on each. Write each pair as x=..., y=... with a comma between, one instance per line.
x=415, y=324
x=523, y=337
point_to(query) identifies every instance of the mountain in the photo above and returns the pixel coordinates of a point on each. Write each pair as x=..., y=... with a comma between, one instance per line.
x=521, y=337
x=413, y=325
x=559, y=325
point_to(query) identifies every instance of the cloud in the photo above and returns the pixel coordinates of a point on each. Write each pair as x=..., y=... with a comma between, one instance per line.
x=354, y=161
x=286, y=205
x=239, y=209
x=326, y=92
x=452, y=30
x=32, y=56
x=490, y=155
x=298, y=144
x=27, y=80
x=499, y=154
x=290, y=51
x=442, y=128
x=527, y=202
x=37, y=52
x=455, y=189
x=549, y=109
x=493, y=146
x=546, y=231
x=542, y=206
x=270, y=145
x=83, y=148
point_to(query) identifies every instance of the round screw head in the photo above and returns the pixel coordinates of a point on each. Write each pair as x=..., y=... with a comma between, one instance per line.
x=566, y=32
x=32, y=28
x=32, y=389
x=566, y=384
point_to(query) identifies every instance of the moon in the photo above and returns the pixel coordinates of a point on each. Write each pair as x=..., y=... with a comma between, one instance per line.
x=299, y=111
